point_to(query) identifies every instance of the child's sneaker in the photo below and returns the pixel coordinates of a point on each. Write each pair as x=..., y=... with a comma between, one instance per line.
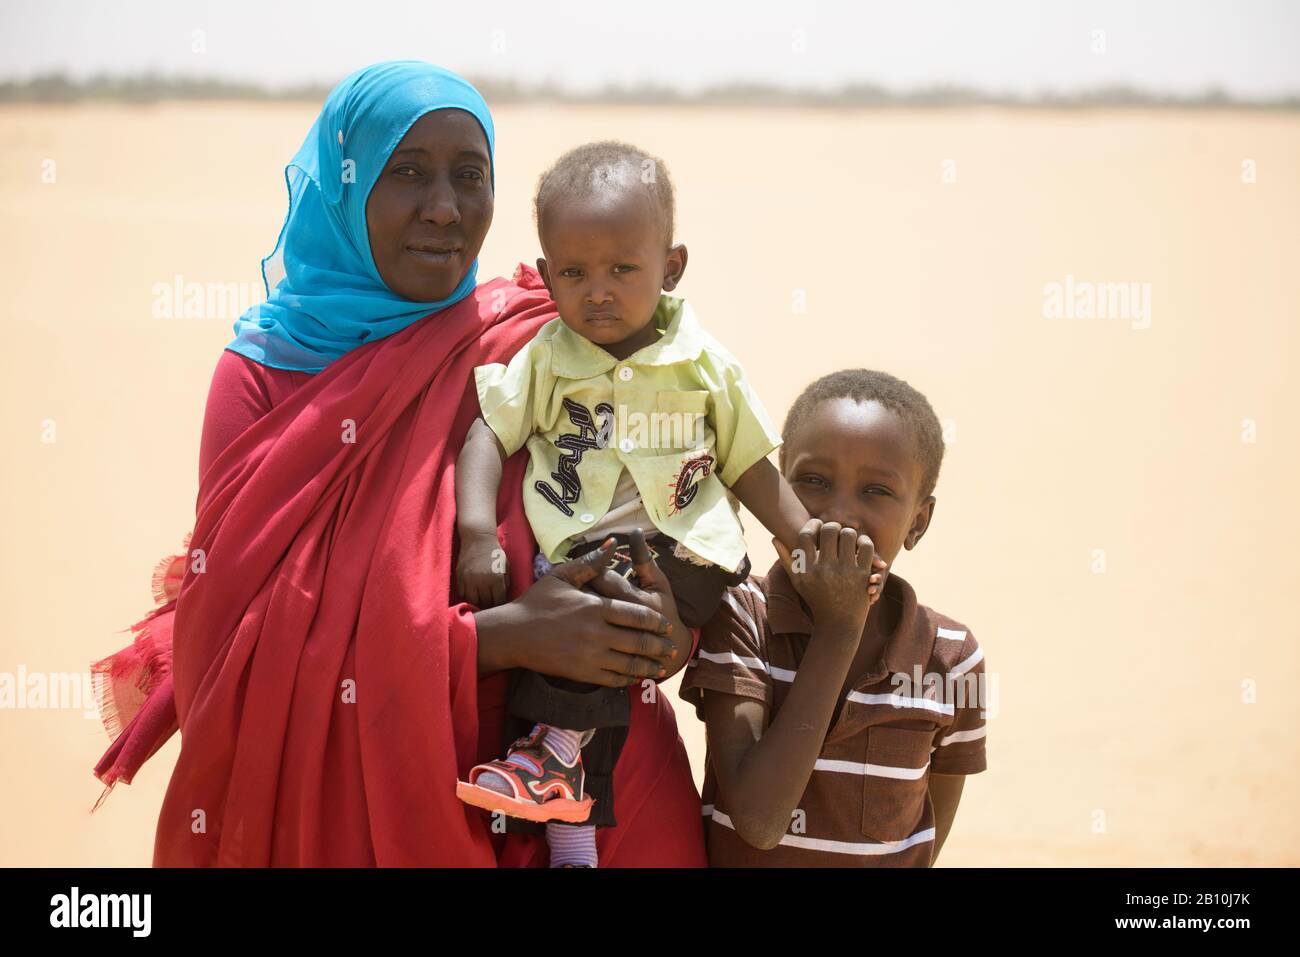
x=536, y=785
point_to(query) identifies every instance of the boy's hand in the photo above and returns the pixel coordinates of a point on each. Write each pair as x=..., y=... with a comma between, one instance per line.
x=836, y=571
x=481, y=570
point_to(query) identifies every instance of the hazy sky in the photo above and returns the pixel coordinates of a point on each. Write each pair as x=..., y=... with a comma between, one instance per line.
x=1250, y=48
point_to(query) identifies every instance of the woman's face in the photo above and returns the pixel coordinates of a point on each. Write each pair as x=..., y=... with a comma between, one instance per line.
x=431, y=207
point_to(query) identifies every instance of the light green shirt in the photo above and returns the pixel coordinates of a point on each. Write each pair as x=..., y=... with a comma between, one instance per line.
x=677, y=414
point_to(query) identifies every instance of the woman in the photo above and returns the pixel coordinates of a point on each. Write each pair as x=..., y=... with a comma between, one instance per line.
x=327, y=689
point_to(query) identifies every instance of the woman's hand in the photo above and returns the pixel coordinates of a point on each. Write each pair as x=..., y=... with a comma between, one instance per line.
x=608, y=636
x=653, y=591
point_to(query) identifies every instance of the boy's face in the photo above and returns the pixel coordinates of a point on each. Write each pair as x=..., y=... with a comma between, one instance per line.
x=854, y=463
x=606, y=262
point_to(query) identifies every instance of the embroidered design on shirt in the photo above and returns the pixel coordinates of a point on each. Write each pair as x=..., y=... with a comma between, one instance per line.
x=623, y=555
x=693, y=470
x=575, y=444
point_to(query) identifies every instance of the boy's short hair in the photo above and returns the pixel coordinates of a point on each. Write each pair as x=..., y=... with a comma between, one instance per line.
x=606, y=165
x=867, y=385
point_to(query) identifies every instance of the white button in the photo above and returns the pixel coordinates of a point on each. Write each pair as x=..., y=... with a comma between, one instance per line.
x=586, y=518
x=625, y=373
x=626, y=445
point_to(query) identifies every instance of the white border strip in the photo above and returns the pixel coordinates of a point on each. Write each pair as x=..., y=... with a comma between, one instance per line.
x=898, y=701
x=957, y=737
x=874, y=770
x=969, y=663
x=833, y=847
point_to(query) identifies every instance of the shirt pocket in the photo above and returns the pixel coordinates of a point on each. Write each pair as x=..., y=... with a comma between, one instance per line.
x=676, y=486
x=682, y=400
x=678, y=421
x=894, y=785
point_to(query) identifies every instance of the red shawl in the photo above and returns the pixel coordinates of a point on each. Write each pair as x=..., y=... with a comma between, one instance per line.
x=322, y=676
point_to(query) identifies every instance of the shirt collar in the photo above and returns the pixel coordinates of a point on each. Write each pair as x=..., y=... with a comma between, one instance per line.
x=909, y=644
x=682, y=340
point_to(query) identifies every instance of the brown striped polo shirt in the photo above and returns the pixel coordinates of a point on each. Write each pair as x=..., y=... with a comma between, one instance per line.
x=919, y=710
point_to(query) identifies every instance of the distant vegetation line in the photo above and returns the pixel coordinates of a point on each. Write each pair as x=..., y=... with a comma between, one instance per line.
x=153, y=88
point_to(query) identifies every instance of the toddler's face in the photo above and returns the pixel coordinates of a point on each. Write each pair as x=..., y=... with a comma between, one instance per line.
x=606, y=262
x=854, y=463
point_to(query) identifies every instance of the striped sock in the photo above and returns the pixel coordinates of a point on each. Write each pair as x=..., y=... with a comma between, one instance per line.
x=572, y=845
x=563, y=742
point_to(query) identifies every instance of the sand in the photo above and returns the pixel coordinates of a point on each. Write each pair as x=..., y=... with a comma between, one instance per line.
x=1115, y=522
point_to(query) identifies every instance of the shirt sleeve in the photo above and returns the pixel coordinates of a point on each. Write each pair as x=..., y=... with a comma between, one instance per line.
x=509, y=395
x=744, y=430
x=959, y=748
x=241, y=392
x=729, y=657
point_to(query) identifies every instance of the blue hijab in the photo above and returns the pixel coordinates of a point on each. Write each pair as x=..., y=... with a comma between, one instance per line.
x=329, y=297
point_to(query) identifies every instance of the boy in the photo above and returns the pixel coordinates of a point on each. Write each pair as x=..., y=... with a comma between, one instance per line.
x=634, y=417
x=838, y=738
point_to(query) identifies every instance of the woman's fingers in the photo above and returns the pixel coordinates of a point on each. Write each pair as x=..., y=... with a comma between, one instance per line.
x=634, y=615
x=651, y=586
x=612, y=679
x=608, y=584
x=649, y=576
x=630, y=666
x=613, y=676
x=639, y=630
x=578, y=571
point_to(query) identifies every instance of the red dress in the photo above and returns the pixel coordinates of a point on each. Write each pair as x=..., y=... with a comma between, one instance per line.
x=324, y=683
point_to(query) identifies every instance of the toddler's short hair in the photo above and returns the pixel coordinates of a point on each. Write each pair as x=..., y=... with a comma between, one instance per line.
x=606, y=165
x=867, y=385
